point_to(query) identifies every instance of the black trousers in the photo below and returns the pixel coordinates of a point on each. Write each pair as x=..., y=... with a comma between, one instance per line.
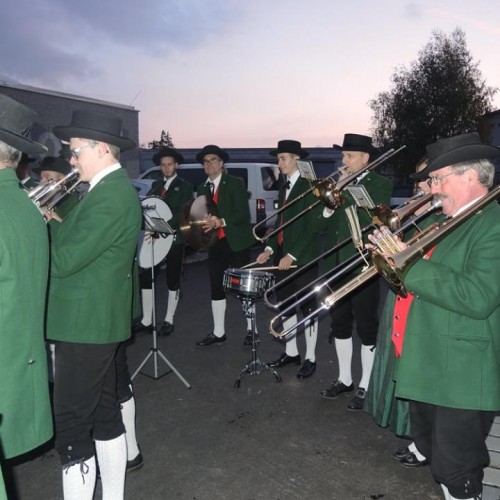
x=453, y=440
x=360, y=307
x=123, y=380
x=302, y=280
x=85, y=399
x=173, y=260
x=220, y=258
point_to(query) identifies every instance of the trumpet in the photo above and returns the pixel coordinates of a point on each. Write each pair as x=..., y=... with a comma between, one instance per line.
x=367, y=273
x=327, y=190
x=382, y=216
x=48, y=194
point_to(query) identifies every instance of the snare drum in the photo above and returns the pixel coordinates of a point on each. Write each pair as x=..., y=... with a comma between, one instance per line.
x=248, y=282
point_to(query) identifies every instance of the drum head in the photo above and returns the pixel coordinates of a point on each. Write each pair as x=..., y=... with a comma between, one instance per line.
x=154, y=206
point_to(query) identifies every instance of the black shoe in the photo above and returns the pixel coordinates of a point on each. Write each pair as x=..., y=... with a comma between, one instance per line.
x=358, y=400
x=248, y=339
x=211, y=339
x=401, y=453
x=139, y=328
x=136, y=463
x=285, y=359
x=166, y=329
x=307, y=369
x=336, y=389
x=411, y=460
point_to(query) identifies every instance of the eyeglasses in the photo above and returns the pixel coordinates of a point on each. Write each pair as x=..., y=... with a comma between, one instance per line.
x=75, y=153
x=213, y=161
x=438, y=179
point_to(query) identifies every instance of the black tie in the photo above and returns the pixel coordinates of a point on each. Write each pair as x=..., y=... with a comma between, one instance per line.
x=287, y=185
x=212, y=188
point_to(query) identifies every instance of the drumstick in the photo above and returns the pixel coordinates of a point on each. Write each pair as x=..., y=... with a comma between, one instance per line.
x=268, y=268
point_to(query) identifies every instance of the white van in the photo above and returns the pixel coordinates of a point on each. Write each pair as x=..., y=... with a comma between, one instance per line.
x=262, y=181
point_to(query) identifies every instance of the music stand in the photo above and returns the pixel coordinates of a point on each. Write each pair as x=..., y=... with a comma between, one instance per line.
x=159, y=228
x=248, y=303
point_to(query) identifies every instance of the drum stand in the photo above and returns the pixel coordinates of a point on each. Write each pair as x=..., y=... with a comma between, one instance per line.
x=154, y=351
x=252, y=367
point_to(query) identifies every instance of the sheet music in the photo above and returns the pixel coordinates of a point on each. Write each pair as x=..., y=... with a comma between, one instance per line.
x=306, y=170
x=361, y=196
x=158, y=225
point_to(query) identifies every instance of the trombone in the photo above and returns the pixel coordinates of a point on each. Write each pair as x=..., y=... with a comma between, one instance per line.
x=382, y=216
x=367, y=273
x=327, y=190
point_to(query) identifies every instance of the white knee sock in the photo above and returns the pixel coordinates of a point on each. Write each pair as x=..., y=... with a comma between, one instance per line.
x=446, y=493
x=128, y=417
x=147, y=306
x=344, y=356
x=413, y=448
x=218, y=313
x=79, y=480
x=173, y=299
x=112, y=457
x=367, y=356
x=311, y=333
x=291, y=343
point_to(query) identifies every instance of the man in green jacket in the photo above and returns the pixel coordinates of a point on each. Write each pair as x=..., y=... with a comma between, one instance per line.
x=449, y=367
x=176, y=193
x=25, y=412
x=89, y=306
x=295, y=245
x=230, y=217
x=359, y=308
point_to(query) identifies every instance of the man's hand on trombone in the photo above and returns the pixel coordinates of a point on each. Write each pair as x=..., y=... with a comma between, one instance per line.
x=385, y=243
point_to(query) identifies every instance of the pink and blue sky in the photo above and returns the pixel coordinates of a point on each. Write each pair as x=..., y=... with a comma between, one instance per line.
x=238, y=73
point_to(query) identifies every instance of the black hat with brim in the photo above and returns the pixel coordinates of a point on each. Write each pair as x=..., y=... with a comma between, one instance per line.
x=290, y=146
x=457, y=149
x=167, y=152
x=212, y=149
x=97, y=127
x=16, y=121
x=54, y=164
x=357, y=142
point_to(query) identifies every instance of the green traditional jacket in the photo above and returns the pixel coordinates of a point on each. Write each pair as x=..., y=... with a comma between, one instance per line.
x=336, y=226
x=25, y=412
x=92, y=252
x=233, y=208
x=451, y=352
x=179, y=193
x=299, y=240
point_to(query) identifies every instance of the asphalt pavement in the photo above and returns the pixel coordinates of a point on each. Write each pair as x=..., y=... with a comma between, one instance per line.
x=263, y=440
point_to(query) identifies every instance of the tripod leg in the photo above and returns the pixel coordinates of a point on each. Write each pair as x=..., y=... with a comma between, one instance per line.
x=171, y=366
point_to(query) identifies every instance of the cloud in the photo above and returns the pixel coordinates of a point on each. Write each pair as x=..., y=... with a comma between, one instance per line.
x=44, y=41
x=413, y=10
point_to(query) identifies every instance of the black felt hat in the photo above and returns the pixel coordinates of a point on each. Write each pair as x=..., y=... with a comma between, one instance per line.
x=167, y=152
x=289, y=146
x=16, y=121
x=452, y=150
x=357, y=142
x=95, y=126
x=55, y=164
x=212, y=149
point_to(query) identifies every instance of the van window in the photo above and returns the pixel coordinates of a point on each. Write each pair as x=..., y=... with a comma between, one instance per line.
x=239, y=172
x=270, y=178
x=195, y=176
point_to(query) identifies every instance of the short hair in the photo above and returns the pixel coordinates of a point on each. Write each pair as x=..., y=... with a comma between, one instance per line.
x=484, y=168
x=9, y=155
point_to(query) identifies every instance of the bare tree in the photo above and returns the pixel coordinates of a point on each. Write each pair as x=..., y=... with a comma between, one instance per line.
x=164, y=142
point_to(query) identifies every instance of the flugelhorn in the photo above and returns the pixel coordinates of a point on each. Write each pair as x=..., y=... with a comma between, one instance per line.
x=367, y=273
x=327, y=190
x=382, y=216
x=48, y=194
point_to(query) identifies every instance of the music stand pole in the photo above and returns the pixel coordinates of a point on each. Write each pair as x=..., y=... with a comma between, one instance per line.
x=154, y=351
